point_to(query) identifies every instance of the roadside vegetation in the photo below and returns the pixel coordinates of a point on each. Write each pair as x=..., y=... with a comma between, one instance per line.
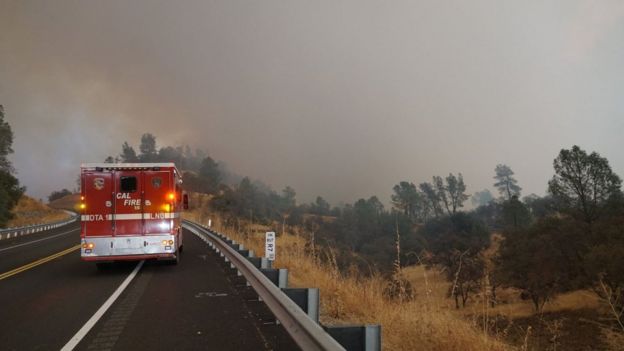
x=414, y=321
x=29, y=211
x=523, y=272
x=10, y=190
x=68, y=202
x=516, y=272
x=16, y=209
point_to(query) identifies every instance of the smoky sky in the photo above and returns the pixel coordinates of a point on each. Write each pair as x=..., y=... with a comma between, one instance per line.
x=341, y=99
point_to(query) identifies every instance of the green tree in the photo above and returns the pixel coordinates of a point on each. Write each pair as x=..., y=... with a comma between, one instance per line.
x=432, y=199
x=604, y=263
x=450, y=192
x=210, y=175
x=456, y=243
x=6, y=141
x=440, y=190
x=376, y=204
x=540, y=207
x=456, y=190
x=10, y=190
x=489, y=214
x=541, y=260
x=286, y=206
x=515, y=214
x=481, y=198
x=289, y=198
x=128, y=154
x=148, y=148
x=320, y=207
x=171, y=154
x=583, y=183
x=192, y=182
x=506, y=184
x=246, y=194
x=406, y=199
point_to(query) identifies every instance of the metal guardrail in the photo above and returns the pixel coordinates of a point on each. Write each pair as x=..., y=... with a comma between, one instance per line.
x=304, y=331
x=19, y=231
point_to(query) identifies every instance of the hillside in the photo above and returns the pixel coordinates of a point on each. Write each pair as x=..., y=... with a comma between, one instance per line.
x=30, y=211
x=69, y=202
x=570, y=321
x=353, y=298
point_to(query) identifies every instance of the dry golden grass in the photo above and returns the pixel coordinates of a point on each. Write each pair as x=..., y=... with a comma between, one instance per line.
x=425, y=323
x=511, y=307
x=29, y=211
x=517, y=308
x=512, y=316
x=430, y=321
x=69, y=202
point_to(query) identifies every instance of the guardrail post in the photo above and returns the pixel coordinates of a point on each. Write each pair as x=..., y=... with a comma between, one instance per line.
x=260, y=262
x=19, y=231
x=307, y=299
x=356, y=337
x=279, y=277
x=304, y=330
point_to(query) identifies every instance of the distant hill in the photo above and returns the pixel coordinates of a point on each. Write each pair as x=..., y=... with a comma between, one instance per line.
x=30, y=211
x=69, y=202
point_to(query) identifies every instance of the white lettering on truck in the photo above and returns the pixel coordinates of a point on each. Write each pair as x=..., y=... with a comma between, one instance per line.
x=93, y=217
x=132, y=202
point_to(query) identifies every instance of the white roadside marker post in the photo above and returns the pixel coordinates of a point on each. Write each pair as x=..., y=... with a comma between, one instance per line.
x=269, y=246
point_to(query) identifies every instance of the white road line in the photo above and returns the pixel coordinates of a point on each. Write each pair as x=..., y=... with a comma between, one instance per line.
x=75, y=340
x=38, y=240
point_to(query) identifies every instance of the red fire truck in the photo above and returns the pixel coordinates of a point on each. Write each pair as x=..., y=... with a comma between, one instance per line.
x=131, y=211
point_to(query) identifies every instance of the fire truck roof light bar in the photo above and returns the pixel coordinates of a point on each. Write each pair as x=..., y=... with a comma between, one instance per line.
x=129, y=166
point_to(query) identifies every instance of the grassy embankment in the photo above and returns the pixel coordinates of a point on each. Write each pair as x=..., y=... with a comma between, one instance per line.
x=69, y=202
x=29, y=211
x=571, y=321
x=425, y=323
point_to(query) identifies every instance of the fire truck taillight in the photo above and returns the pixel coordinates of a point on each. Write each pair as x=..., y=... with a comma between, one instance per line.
x=166, y=207
x=167, y=242
x=171, y=196
x=83, y=206
x=88, y=246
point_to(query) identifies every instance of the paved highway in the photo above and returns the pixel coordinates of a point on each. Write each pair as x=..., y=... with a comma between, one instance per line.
x=50, y=299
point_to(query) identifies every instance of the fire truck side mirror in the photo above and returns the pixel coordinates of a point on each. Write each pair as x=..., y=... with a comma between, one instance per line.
x=185, y=201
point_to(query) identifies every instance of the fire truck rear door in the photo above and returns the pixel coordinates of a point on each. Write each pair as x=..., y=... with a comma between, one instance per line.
x=128, y=215
x=96, y=217
x=157, y=186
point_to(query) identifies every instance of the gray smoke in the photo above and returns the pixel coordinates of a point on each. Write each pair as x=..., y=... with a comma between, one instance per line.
x=341, y=99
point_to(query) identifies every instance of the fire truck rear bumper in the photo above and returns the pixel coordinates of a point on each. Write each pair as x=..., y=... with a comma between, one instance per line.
x=129, y=247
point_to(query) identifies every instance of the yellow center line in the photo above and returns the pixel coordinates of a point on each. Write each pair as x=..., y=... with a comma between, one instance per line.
x=38, y=262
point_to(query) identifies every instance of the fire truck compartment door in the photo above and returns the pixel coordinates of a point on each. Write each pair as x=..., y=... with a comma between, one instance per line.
x=158, y=205
x=96, y=216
